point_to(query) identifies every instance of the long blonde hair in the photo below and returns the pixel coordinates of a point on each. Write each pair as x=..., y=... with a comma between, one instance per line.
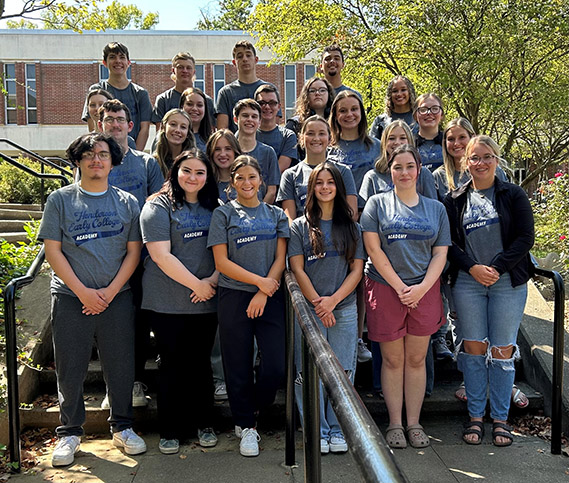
x=448, y=160
x=381, y=163
x=162, y=152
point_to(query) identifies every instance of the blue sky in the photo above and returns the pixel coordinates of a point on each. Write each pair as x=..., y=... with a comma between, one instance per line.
x=174, y=14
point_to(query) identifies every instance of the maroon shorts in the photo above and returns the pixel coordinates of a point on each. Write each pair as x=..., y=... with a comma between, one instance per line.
x=388, y=319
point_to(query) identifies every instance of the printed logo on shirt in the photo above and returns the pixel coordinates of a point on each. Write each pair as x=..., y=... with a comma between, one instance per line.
x=327, y=254
x=192, y=235
x=92, y=225
x=407, y=228
x=475, y=225
x=246, y=240
x=248, y=226
x=193, y=221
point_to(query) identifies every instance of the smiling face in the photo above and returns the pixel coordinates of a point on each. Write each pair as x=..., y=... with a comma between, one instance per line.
x=223, y=154
x=456, y=140
x=117, y=63
x=246, y=181
x=315, y=137
x=404, y=171
x=400, y=96
x=395, y=138
x=482, y=163
x=332, y=64
x=95, y=102
x=429, y=120
x=348, y=113
x=325, y=187
x=269, y=105
x=194, y=105
x=176, y=129
x=318, y=95
x=248, y=120
x=192, y=175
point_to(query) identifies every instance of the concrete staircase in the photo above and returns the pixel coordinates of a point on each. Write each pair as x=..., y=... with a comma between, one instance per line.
x=13, y=216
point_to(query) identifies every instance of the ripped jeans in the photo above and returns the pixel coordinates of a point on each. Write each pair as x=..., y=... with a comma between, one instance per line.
x=342, y=338
x=493, y=315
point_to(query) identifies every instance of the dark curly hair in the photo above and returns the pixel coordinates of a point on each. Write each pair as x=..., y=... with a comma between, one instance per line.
x=87, y=142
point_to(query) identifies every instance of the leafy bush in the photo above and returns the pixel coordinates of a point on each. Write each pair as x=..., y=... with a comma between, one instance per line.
x=17, y=186
x=551, y=212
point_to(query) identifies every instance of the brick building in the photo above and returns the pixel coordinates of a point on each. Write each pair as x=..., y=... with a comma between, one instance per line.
x=46, y=75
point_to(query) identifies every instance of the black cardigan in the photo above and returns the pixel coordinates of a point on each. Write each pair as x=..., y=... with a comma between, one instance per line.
x=516, y=228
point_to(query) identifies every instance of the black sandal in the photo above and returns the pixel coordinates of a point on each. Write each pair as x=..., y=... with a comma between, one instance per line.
x=503, y=430
x=473, y=427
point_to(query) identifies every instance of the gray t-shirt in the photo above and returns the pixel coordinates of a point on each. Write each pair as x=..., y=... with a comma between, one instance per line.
x=294, y=184
x=134, y=96
x=186, y=229
x=170, y=99
x=357, y=156
x=407, y=234
x=326, y=273
x=231, y=94
x=251, y=237
x=375, y=182
x=269, y=166
x=93, y=231
x=481, y=226
x=281, y=139
x=138, y=174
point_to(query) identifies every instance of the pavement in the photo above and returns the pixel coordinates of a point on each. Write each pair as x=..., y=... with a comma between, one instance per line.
x=448, y=459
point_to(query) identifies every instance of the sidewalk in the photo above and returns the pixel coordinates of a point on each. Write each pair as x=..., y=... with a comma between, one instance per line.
x=446, y=460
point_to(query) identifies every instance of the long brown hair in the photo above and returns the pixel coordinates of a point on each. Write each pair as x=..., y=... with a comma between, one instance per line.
x=335, y=128
x=448, y=160
x=345, y=233
x=303, y=109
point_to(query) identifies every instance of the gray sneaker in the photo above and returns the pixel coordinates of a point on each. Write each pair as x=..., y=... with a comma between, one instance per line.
x=207, y=437
x=220, y=393
x=364, y=354
x=138, y=397
x=169, y=446
x=441, y=349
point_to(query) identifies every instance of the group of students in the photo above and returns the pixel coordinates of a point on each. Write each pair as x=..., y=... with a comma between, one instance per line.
x=371, y=224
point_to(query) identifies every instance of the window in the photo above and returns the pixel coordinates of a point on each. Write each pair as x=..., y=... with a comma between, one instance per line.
x=10, y=86
x=309, y=71
x=290, y=90
x=199, y=81
x=31, y=94
x=218, y=79
x=104, y=73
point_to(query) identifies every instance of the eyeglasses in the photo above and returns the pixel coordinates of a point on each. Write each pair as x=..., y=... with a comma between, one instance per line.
x=91, y=155
x=110, y=120
x=268, y=103
x=486, y=159
x=321, y=90
x=432, y=110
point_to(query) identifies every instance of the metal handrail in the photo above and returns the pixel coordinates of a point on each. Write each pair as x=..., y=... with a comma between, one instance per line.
x=366, y=443
x=12, y=355
x=41, y=159
x=558, y=350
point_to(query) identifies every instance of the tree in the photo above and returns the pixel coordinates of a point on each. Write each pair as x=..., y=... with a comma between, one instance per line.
x=499, y=64
x=30, y=9
x=233, y=15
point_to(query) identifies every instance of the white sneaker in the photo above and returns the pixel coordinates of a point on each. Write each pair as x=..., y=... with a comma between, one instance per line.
x=238, y=431
x=249, y=445
x=324, y=446
x=220, y=393
x=105, y=404
x=364, y=354
x=138, y=397
x=64, y=452
x=130, y=441
x=338, y=444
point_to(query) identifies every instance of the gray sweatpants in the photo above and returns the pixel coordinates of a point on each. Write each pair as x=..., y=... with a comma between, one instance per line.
x=73, y=336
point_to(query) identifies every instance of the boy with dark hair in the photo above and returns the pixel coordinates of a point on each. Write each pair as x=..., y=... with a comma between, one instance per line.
x=116, y=59
x=245, y=60
x=183, y=74
x=92, y=242
x=331, y=65
x=281, y=139
x=247, y=116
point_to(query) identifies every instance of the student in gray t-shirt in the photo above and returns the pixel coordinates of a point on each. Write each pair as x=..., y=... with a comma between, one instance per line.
x=326, y=255
x=175, y=225
x=92, y=242
x=248, y=238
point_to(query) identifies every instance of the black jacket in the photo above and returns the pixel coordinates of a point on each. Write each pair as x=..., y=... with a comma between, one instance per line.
x=516, y=228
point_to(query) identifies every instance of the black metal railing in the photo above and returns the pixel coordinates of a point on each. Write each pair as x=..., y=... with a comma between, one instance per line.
x=558, y=352
x=366, y=444
x=12, y=355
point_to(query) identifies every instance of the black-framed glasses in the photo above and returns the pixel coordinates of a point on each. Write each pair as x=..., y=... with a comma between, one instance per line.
x=102, y=155
x=320, y=90
x=268, y=103
x=110, y=120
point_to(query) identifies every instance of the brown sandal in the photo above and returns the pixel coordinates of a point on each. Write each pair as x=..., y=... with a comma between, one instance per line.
x=417, y=436
x=395, y=437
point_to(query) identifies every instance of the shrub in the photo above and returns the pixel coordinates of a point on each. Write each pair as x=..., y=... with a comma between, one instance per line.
x=551, y=212
x=17, y=186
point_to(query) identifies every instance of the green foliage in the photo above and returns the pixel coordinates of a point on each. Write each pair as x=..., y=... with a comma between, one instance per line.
x=21, y=24
x=17, y=186
x=499, y=64
x=551, y=212
x=233, y=15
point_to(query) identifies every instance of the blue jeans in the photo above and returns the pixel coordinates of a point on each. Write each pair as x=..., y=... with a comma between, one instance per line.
x=493, y=315
x=342, y=338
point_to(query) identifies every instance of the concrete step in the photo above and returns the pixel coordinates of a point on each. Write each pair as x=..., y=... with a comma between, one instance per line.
x=7, y=226
x=17, y=214
x=20, y=206
x=14, y=237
